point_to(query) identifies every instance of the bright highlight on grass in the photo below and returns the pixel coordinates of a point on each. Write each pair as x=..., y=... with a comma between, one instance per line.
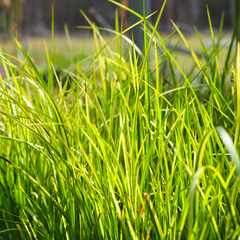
x=118, y=149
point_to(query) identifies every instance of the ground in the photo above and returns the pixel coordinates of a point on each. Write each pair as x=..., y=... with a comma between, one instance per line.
x=66, y=50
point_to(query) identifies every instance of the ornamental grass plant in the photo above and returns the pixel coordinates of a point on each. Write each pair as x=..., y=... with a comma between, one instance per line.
x=130, y=147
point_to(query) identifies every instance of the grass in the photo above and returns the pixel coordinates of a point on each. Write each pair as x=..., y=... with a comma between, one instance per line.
x=80, y=47
x=65, y=52
x=121, y=150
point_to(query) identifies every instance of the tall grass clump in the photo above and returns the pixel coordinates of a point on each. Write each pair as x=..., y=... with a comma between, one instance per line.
x=137, y=148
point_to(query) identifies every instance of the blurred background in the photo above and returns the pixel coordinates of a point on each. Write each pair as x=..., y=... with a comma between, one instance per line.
x=30, y=21
x=33, y=17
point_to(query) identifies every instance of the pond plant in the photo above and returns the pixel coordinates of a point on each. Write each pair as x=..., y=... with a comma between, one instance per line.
x=133, y=146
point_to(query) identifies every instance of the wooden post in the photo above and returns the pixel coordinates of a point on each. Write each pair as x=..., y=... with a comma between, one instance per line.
x=169, y=14
x=124, y=15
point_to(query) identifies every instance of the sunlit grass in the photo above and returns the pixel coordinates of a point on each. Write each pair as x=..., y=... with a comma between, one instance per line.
x=120, y=150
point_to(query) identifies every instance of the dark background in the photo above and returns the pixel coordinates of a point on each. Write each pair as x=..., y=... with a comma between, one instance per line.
x=34, y=16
